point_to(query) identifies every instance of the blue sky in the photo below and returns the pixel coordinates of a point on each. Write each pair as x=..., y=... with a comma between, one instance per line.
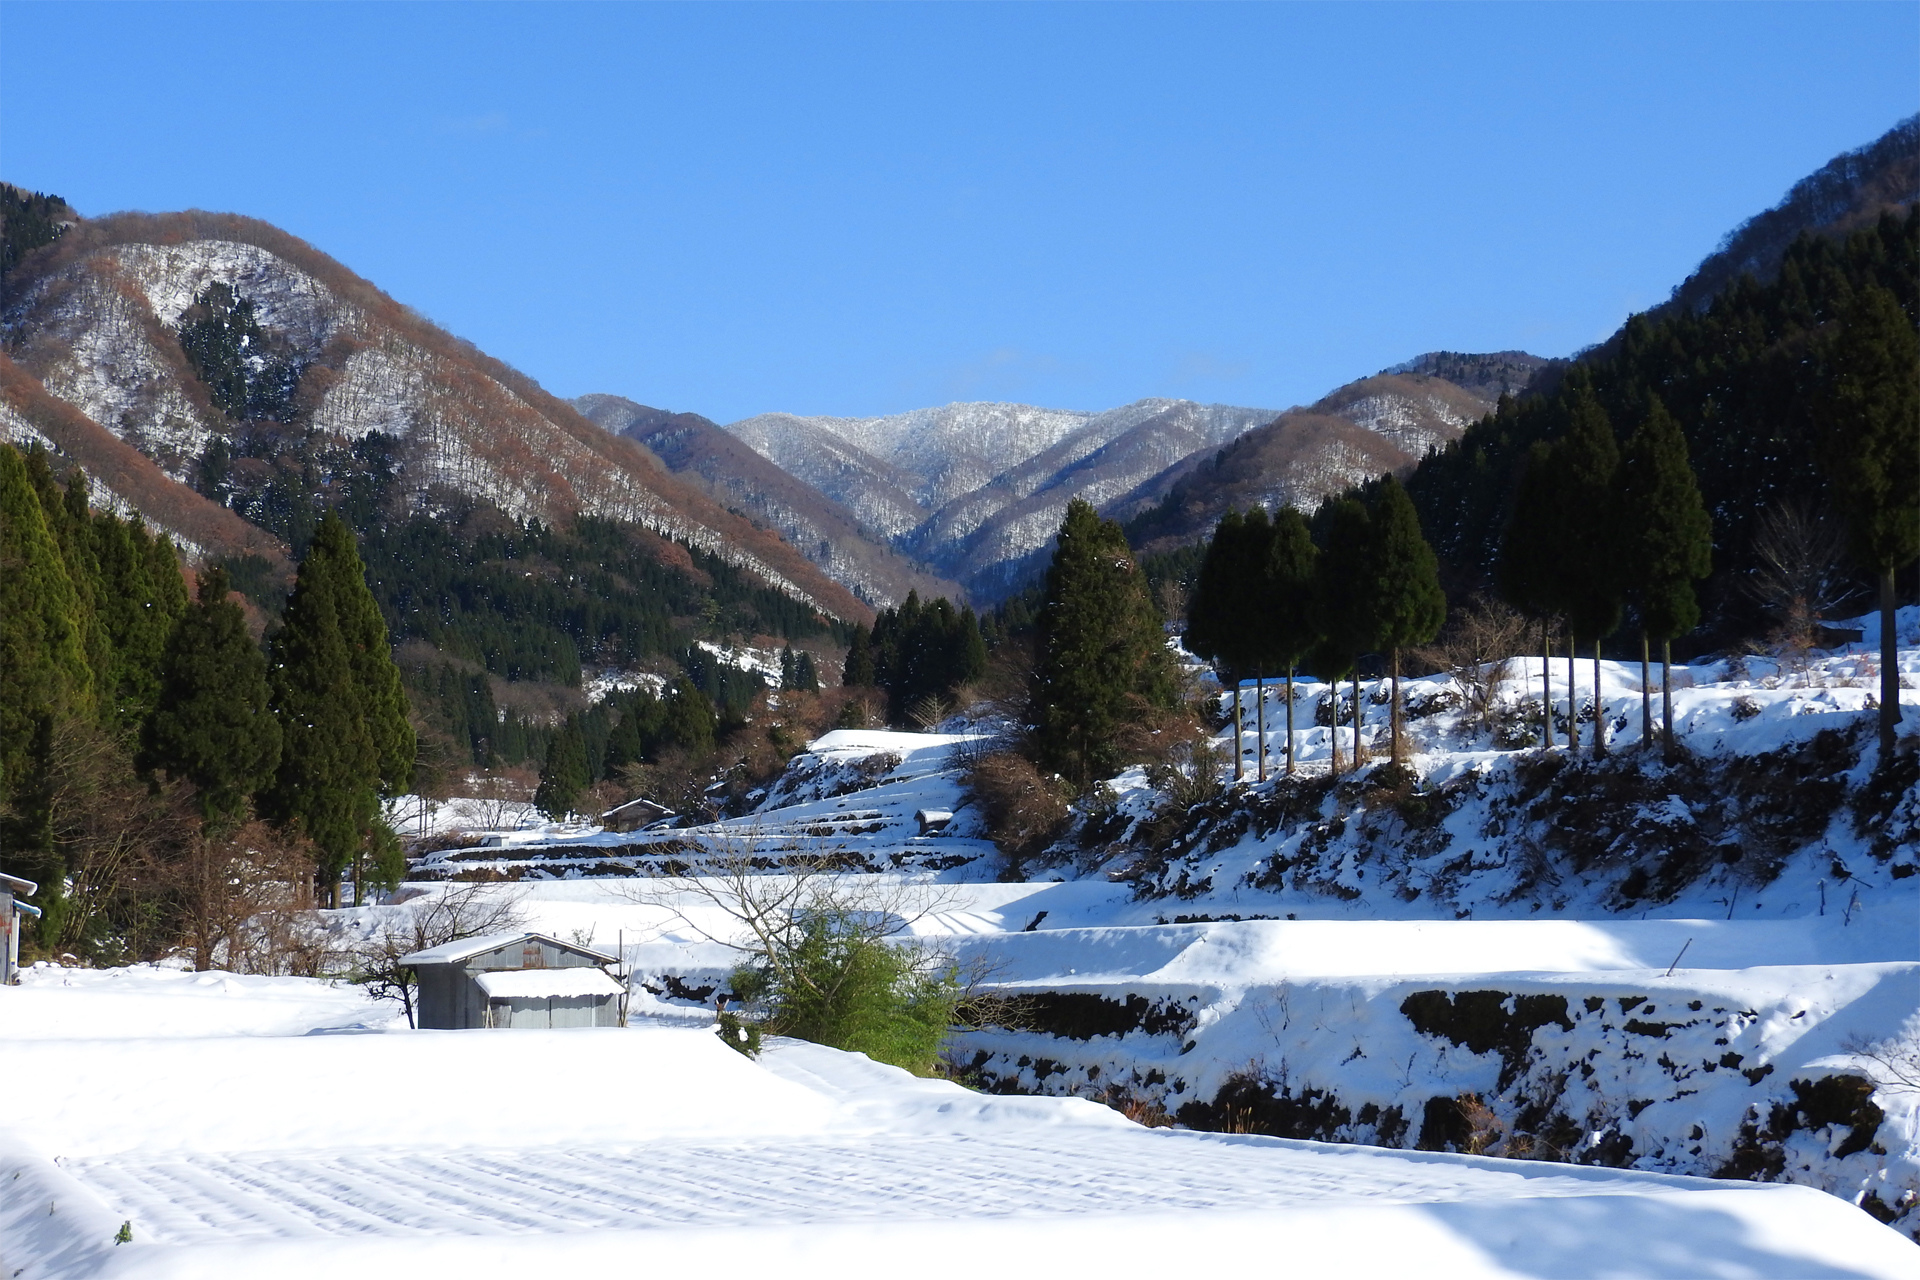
x=730, y=209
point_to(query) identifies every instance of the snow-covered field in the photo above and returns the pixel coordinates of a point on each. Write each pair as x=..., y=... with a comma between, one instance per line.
x=285, y=1127
x=1707, y=974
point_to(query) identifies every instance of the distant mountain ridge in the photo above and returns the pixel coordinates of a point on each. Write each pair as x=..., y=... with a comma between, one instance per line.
x=733, y=474
x=1383, y=423
x=90, y=319
x=975, y=491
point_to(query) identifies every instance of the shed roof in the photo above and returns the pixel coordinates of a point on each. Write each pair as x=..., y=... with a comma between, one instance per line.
x=525, y=984
x=465, y=948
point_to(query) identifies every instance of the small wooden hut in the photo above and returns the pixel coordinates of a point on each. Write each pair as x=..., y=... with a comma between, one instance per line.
x=515, y=980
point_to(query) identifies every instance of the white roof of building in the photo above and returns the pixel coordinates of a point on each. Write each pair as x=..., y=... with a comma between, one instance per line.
x=532, y=984
x=455, y=952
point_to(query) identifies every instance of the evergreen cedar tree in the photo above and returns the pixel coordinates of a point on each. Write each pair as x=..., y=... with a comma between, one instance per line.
x=1526, y=567
x=1284, y=596
x=566, y=773
x=1667, y=545
x=1340, y=600
x=1213, y=629
x=1871, y=454
x=1587, y=463
x=211, y=723
x=1402, y=586
x=1252, y=607
x=86, y=603
x=346, y=740
x=858, y=671
x=797, y=671
x=44, y=676
x=1103, y=655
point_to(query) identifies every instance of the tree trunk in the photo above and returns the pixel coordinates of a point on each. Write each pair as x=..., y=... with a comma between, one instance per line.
x=1358, y=755
x=1237, y=772
x=359, y=876
x=1646, y=696
x=1260, y=718
x=1333, y=732
x=1573, y=695
x=1666, y=699
x=1889, y=671
x=1546, y=683
x=1396, y=705
x=1289, y=719
x=1599, y=708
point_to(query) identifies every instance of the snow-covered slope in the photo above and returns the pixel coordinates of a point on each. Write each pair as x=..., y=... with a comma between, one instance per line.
x=204, y=1154
x=1710, y=967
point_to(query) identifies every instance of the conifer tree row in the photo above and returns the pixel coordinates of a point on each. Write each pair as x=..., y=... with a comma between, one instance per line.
x=919, y=653
x=1267, y=599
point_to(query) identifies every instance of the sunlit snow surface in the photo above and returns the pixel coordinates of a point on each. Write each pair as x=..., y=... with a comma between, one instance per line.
x=284, y=1127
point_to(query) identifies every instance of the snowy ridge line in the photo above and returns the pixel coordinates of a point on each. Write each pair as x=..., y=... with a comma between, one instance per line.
x=110, y=309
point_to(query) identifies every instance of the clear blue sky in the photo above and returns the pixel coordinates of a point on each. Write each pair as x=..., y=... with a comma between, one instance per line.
x=862, y=209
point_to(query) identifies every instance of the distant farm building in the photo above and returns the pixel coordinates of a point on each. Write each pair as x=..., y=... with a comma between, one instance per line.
x=514, y=980
x=933, y=821
x=633, y=815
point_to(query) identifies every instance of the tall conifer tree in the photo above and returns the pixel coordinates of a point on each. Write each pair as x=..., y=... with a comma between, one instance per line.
x=1343, y=602
x=44, y=675
x=1211, y=612
x=1587, y=459
x=1283, y=600
x=1408, y=605
x=211, y=723
x=1526, y=572
x=566, y=773
x=1872, y=456
x=1103, y=654
x=1668, y=545
x=344, y=733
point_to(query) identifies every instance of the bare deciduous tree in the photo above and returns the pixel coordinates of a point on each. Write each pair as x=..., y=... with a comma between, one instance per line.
x=467, y=911
x=1477, y=649
x=1799, y=576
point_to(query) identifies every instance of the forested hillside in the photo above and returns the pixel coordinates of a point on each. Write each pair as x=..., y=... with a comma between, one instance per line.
x=232, y=385
x=1751, y=381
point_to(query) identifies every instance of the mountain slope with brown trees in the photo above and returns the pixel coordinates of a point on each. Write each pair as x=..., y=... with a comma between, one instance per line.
x=97, y=317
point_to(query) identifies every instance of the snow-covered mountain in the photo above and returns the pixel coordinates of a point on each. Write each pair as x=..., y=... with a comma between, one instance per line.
x=820, y=528
x=971, y=489
x=1387, y=422
x=976, y=491
x=91, y=322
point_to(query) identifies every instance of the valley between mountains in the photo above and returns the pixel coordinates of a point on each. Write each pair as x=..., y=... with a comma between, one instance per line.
x=1468, y=825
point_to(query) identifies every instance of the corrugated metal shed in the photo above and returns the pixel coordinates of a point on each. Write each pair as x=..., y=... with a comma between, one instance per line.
x=508, y=980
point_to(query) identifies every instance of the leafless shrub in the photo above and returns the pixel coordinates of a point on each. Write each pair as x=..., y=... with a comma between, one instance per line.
x=1025, y=810
x=238, y=894
x=927, y=711
x=1477, y=649
x=1894, y=1061
x=1484, y=1128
